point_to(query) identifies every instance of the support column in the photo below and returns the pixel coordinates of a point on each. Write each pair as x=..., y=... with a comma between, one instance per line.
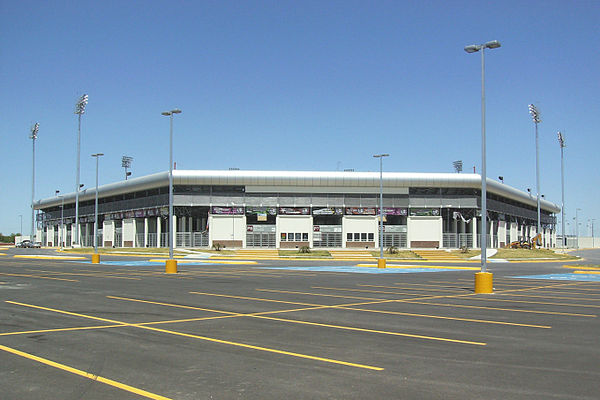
x=158, y=231
x=474, y=232
x=146, y=232
x=174, y=230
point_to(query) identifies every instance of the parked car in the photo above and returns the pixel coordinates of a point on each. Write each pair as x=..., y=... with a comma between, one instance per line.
x=25, y=244
x=36, y=245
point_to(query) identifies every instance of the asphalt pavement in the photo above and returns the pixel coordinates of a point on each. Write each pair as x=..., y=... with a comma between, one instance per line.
x=124, y=329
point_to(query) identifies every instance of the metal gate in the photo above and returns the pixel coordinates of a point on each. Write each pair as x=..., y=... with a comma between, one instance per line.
x=258, y=239
x=397, y=239
x=329, y=239
x=200, y=239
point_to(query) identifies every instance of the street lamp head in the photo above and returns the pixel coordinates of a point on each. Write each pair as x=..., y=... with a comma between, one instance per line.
x=535, y=113
x=472, y=48
x=98, y=155
x=34, y=131
x=381, y=155
x=81, y=103
x=494, y=44
x=169, y=113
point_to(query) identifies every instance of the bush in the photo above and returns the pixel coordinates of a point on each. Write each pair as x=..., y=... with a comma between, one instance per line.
x=392, y=250
x=464, y=249
x=217, y=246
x=304, y=249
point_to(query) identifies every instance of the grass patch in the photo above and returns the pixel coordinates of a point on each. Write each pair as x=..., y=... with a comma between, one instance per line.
x=297, y=253
x=533, y=253
x=400, y=254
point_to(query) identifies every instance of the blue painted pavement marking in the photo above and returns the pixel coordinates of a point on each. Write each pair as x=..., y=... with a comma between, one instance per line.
x=564, y=277
x=360, y=270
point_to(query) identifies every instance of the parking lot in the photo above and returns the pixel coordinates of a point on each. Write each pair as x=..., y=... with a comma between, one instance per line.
x=123, y=329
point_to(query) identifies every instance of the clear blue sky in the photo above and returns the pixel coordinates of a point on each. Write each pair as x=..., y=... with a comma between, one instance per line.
x=298, y=85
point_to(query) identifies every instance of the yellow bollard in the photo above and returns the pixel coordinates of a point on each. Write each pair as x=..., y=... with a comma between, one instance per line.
x=95, y=258
x=381, y=263
x=484, y=282
x=171, y=267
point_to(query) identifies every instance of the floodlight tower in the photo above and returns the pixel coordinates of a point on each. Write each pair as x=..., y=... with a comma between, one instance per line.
x=79, y=110
x=33, y=137
x=484, y=284
x=535, y=115
x=126, y=163
x=381, y=261
x=458, y=166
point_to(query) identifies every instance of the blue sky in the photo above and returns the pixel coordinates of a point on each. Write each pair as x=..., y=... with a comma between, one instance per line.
x=298, y=85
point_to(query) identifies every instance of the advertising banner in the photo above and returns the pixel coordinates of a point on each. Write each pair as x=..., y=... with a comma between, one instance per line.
x=327, y=211
x=424, y=212
x=294, y=211
x=395, y=211
x=227, y=210
x=360, y=211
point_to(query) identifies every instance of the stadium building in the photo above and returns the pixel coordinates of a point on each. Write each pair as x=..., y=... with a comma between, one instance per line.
x=293, y=209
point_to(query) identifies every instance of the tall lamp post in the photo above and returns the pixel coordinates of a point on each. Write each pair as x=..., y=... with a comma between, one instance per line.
x=561, y=142
x=33, y=137
x=62, y=207
x=535, y=115
x=96, y=257
x=381, y=261
x=577, y=225
x=483, y=280
x=79, y=110
x=21, y=231
x=171, y=265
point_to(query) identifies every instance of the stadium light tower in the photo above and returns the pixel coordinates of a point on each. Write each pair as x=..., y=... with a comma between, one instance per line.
x=458, y=166
x=79, y=110
x=381, y=261
x=171, y=265
x=483, y=282
x=126, y=163
x=561, y=142
x=33, y=137
x=535, y=115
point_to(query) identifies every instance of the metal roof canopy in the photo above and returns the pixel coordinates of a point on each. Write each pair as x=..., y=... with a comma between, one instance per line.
x=307, y=179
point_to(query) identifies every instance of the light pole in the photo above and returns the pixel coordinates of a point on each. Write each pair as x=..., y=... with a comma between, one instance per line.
x=486, y=283
x=62, y=207
x=21, y=231
x=535, y=115
x=171, y=262
x=381, y=261
x=33, y=137
x=577, y=225
x=79, y=110
x=126, y=163
x=96, y=156
x=561, y=142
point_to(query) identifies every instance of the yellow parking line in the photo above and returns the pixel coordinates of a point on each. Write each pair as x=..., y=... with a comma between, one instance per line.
x=537, y=302
x=546, y=297
x=39, y=277
x=499, y=309
x=79, y=328
x=352, y=308
x=318, y=294
x=40, y=257
x=351, y=328
x=208, y=339
x=84, y=374
x=587, y=272
x=414, y=288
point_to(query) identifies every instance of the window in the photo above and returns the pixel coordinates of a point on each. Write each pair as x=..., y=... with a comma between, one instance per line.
x=357, y=237
x=298, y=237
x=371, y=237
x=360, y=237
x=305, y=237
x=349, y=237
x=363, y=237
x=294, y=237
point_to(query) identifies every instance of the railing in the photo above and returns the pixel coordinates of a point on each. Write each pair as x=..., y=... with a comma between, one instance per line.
x=152, y=240
x=139, y=240
x=450, y=240
x=465, y=240
x=183, y=239
x=200, y=239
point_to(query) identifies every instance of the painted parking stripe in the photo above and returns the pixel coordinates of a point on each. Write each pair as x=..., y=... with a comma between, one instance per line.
x=359, y=270
x=84, y=374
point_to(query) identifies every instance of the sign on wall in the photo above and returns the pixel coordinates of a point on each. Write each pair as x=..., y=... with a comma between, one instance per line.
x=327, y=211
x=294, y=210
x=360, y=211
x=227, y=210
x=424, y=212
